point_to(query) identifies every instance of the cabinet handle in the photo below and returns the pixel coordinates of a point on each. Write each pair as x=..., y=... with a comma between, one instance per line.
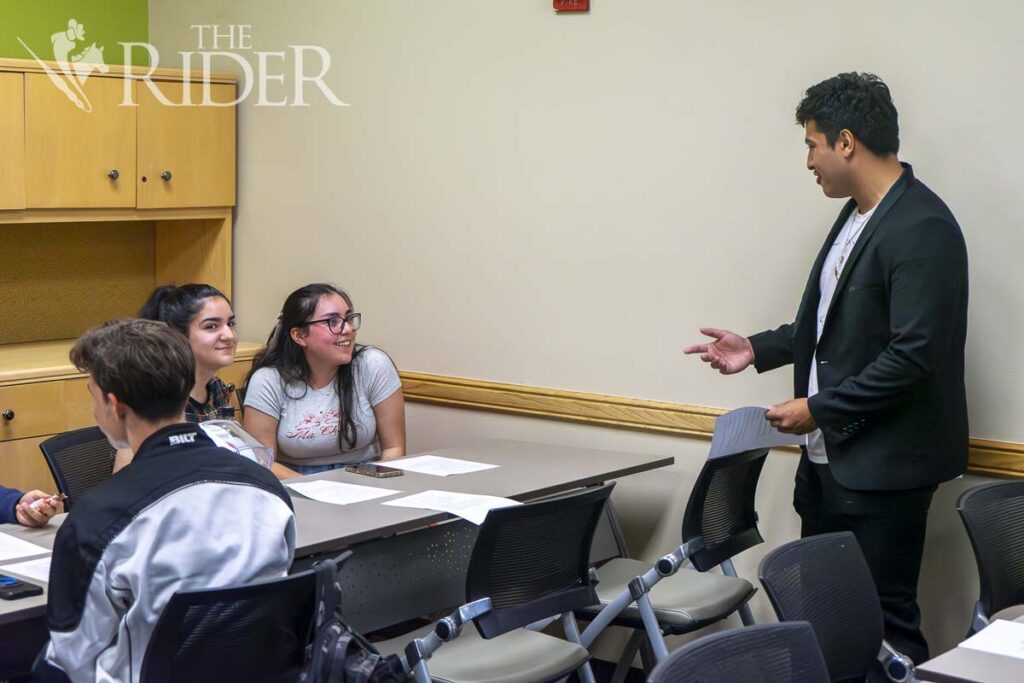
x=166, y=175
x=114, y=175
x=8, y=415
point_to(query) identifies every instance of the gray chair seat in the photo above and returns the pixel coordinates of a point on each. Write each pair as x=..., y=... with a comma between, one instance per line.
x=684, y=601
x=519, y=656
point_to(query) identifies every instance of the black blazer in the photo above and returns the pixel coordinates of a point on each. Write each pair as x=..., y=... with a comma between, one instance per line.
x=892, y=403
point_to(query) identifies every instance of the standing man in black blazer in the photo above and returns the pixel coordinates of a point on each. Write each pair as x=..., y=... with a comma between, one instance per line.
x=877, y=348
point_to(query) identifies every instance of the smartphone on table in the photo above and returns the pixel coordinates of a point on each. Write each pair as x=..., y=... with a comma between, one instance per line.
x=14, y=589
x=372, y=469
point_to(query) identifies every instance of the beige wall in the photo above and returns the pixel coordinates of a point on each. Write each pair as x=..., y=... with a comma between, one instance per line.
x=563, y=200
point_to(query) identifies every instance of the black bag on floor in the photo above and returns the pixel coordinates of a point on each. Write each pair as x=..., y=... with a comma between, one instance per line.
x=338, y=654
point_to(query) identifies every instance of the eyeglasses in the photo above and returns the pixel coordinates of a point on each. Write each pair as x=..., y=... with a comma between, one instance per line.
x=336, y=323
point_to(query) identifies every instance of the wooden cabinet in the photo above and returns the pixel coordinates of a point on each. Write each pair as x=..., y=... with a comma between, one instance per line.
x=12, y=141
x=186, y=153
x=29, y=414
x=31, y=410
x=66, y=144
x=81, y=246
x=79, y=157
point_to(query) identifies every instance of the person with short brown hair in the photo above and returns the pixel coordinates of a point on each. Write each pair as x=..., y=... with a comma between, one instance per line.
x=158, y=525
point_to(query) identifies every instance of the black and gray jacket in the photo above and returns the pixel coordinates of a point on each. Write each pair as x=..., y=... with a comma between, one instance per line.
x=183, y=515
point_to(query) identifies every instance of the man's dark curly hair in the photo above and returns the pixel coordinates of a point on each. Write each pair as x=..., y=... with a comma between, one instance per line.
x=860, y=103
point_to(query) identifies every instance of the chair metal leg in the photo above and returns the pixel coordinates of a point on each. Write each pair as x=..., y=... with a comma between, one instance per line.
x=414, y=660
x=625, y=662
x=647, y=658
x=572, y=634
x=420, y=673
x=897, y=666
x=604, y=618
x=979, y=620
x=641, y=584
x=652, y=627
x=746, y=616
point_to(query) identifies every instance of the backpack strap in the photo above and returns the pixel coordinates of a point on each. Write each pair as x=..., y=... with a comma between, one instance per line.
x=328, y=595
x=326, y=601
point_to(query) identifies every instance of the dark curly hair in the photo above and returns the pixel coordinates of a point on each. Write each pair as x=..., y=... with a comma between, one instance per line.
x=858, y=102
x=287, y=357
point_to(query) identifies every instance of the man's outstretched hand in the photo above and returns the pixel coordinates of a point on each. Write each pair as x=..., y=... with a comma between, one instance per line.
x=729, y=353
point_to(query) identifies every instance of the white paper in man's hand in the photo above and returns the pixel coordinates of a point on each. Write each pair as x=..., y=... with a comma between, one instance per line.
x=746, y=429
x=469, y=506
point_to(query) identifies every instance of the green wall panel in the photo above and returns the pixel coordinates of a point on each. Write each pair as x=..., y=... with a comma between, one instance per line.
x=107, y=23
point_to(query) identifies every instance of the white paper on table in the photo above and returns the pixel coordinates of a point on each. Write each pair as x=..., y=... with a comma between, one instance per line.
x=436, y=465
x=12, y=548
x=37, y=570
x=745, y=429
x=339, y=493
x=1001, y=637
x=469, y=506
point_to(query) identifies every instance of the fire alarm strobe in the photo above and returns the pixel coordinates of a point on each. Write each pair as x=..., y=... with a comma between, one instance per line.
x=572, y=5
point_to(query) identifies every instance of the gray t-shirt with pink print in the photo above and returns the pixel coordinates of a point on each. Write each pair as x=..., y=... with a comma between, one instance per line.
x=307, y=430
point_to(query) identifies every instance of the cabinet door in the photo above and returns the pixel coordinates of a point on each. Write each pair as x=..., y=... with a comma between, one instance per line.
x=186, y=153
x=32, y=410
x=24, y=467
x=12, y=141
x=78, y=156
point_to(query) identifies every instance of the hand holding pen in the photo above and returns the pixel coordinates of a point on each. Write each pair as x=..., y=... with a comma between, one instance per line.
x=37, y=507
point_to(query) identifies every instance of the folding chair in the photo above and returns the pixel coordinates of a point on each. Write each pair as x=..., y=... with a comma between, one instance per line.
x=994, y=517
x=767, y=653
x=529, y=563
x=670, y=599
x=251, y=632
x=78, y=460
x=825, y=580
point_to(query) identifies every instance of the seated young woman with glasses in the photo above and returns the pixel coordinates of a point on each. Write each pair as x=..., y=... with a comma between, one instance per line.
x=316, y=397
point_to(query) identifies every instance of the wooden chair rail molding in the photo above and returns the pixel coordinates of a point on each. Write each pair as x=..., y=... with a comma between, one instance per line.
x=987, y=457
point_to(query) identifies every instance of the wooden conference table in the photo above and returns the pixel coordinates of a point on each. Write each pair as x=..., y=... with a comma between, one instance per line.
x=394, y=574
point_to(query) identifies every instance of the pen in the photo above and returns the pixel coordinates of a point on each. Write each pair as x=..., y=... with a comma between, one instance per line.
x=53, y=500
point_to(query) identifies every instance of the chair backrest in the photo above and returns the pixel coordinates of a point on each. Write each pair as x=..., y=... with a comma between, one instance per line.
x=766, y=653
x=720, y=518
x=825, y=580
x=994, y=517
x=78, y=460
x=609, y=541
x=251, y=632
x=532, y=560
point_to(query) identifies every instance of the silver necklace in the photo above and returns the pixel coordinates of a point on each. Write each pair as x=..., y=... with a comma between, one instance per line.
x=854, y=234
